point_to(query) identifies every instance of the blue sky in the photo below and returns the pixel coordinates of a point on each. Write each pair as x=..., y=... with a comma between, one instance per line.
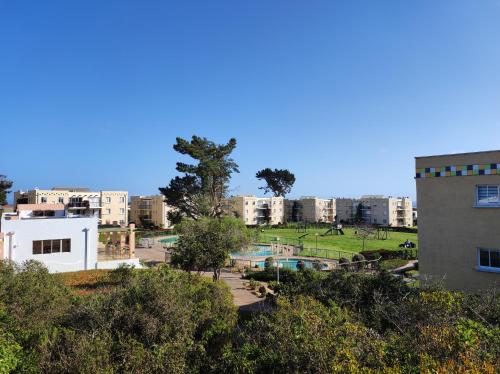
x=342, y=93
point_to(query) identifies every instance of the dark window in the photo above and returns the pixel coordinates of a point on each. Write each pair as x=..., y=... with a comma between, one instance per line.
x=489, y=258
x=495, y=259
x=56, y=245
x=66, y=245
x=484, y=257
x=37, y=247
x=47, y=246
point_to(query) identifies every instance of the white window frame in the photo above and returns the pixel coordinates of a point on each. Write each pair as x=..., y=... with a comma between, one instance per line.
x=107, y=200
x=108, y=211
x=488, y=204
x=122, y=210
x=486, y=268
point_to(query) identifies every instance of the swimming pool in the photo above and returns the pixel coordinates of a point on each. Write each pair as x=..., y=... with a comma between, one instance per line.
x=170, y=240
x=260, y=251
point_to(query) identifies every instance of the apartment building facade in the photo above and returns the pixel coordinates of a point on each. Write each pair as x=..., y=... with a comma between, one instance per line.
x=458, y=215
x=110, y=207
x=376, y=210
x=310, y=209
x=257, y=210
x=150, y=211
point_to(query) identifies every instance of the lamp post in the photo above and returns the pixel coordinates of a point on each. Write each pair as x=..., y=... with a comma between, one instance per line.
x=277, y=263
x=316, y=243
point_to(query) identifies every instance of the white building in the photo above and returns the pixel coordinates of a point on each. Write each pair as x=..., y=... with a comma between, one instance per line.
x=310, y=209
x=376, y=210
x=44, y=232
x=257, y=210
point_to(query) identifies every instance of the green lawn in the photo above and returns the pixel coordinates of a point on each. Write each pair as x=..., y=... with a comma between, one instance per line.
x=332, y=246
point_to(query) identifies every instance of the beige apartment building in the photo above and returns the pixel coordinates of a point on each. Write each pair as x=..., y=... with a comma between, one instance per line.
x=257, y=210
x=459, y=216
x=377, y=210
x=310, y=209
x=111, y=207
x=150, y=211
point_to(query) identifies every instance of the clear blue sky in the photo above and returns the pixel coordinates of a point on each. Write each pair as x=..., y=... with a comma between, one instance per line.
x=343, y=93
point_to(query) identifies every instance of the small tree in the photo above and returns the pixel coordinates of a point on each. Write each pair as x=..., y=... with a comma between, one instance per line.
x=364, y=232
x=205, y=244
x=5, y=184
x=278, y=181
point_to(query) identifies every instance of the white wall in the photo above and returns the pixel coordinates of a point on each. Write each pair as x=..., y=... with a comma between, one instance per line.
x=18, y=247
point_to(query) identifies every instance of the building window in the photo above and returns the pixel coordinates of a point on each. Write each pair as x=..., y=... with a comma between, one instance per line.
x=66, y=245
x=61, y=200
x=488, y=259
x=37, y=247
x=122, y=199
x=122, y=211
x=108, y=211
x=43, y=199
x=51, y=246
x=108, y=200
x=487, y=195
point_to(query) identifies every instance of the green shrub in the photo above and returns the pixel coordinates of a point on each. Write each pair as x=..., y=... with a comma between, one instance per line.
x=268, y=263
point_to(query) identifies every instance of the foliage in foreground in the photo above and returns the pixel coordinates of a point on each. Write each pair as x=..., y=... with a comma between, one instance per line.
x=153, y=321
x=166, y=321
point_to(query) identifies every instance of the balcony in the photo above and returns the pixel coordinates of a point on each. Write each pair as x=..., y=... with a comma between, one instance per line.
x=83, y=205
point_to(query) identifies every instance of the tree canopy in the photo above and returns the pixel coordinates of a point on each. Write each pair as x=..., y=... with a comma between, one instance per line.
x=200, y=192
x=278, y=181
x=5, y=184
x=205, y=244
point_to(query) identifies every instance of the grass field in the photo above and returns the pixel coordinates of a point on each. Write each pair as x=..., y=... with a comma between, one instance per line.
x=332, y=246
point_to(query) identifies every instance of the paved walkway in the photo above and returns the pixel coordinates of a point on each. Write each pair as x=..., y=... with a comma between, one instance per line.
x=244, y=299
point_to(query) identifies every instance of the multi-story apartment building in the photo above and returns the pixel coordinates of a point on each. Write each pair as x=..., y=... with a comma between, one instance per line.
x=458, y=218
x=150, y=211
x=111, y=207
x=310, y=209
x=376, y=210
x=257, y=210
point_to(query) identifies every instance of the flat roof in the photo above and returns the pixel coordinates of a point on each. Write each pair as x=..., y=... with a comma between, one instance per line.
x=458, y=154
x=40, y=207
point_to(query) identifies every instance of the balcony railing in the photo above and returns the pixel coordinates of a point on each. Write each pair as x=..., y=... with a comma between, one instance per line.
x=83, y=204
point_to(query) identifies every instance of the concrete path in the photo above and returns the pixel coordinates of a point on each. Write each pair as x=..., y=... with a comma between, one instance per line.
x=244, y=299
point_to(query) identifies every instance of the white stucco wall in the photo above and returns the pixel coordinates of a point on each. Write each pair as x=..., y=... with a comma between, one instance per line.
x=20, y=234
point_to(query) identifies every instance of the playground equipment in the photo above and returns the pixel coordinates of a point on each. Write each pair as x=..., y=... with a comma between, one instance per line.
x=335, y=229
x=382, y=233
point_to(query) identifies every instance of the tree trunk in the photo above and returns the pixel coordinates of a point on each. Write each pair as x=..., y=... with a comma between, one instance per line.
x=216, y=276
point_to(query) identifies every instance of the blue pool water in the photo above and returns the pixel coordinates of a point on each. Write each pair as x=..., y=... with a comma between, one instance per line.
x=170, y=240
x=260, y=251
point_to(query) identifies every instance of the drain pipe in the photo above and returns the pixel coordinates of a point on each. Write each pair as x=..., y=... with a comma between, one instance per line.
x=11, y=254
x=85, y=264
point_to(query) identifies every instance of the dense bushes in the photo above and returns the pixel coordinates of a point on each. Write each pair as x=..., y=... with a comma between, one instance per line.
x=167, y=321
x=152, y=321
